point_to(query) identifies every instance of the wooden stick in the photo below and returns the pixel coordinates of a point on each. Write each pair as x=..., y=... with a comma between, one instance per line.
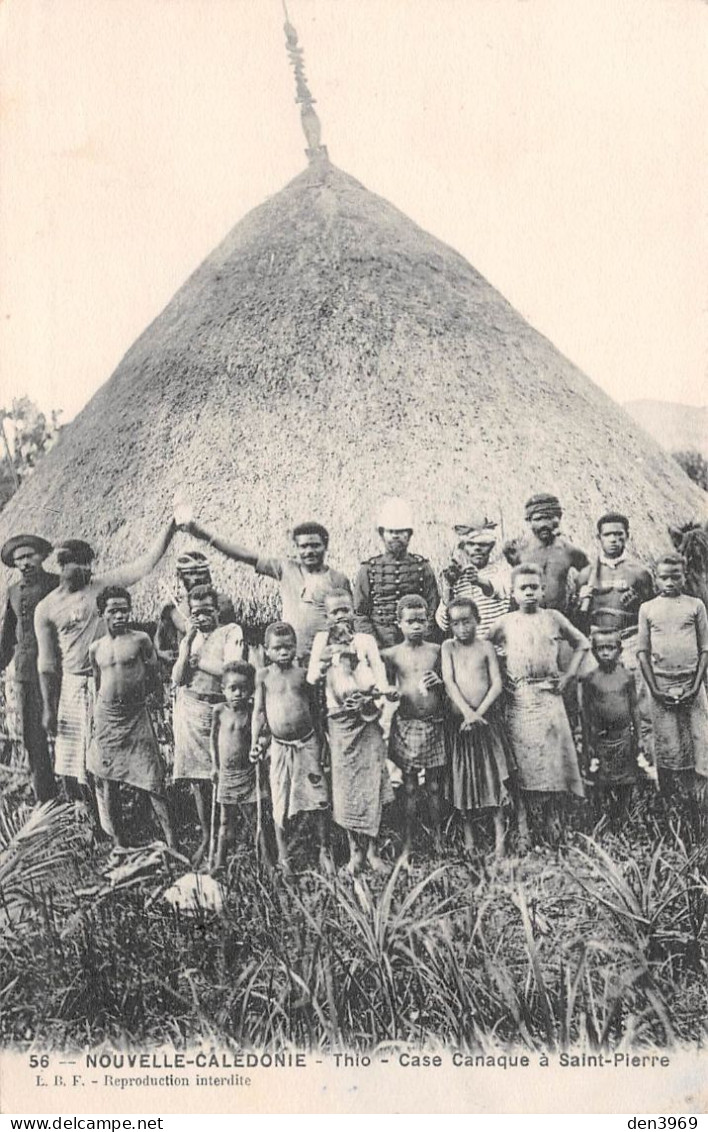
x=212, y=831
x=259, y=812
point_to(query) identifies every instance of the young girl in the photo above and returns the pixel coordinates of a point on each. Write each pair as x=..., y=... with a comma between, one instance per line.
x=234, y=774
x=479, y=757
x=529, y=641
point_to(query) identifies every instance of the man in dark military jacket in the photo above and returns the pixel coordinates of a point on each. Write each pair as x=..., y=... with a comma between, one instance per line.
x=384, y=579
x=18, y=642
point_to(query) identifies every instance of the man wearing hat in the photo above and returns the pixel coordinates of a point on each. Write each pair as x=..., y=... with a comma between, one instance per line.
x=26, y=553
x=67, y=622
x=547, y=549
x=471, y=575
x=382, y=580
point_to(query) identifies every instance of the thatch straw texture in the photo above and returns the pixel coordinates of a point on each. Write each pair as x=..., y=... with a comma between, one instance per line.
x=329, y=352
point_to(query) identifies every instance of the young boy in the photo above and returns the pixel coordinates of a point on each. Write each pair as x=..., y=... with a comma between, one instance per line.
x=234, y=774
x=479, y=757
x=124, y=747
x=360, y=784
x=673, y=654
x=417, y=739
x=284, y=704
x=529, y=642
x=611, y=724
x=204, y=651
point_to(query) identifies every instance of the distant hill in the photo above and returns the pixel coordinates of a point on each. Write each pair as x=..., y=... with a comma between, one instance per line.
x=673, y=425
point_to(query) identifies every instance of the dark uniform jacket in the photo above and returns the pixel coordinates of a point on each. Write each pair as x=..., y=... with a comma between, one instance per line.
x=380, y=583
x=18, y=639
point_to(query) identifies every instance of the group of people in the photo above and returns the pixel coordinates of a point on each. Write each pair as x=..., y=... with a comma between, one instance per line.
x=475, y=689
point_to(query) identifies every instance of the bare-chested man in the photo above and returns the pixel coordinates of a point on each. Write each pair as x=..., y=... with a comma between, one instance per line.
x=417, y=739
x=67, y=623
x=124, y=748
x=546, y=548
x=284, y=704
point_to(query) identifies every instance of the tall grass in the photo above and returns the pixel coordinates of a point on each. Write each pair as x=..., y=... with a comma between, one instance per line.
x=599, y=950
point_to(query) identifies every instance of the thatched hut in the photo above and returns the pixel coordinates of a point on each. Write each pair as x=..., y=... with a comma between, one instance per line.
x=327, y=353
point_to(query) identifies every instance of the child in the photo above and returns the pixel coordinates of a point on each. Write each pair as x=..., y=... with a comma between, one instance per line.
x=673, y=654
x=124, y=747
x=479, y=759
x=284, y=703
x=204, y=651
x=611, y=724
x=234, y=775
x=529, y=641
x=360, y=784
x=417, y=732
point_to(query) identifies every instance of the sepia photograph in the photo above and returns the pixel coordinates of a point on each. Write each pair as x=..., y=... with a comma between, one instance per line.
x=354, y=543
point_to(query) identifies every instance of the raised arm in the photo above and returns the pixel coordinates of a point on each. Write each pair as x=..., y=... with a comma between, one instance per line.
x=132, y=572
x=230, y=549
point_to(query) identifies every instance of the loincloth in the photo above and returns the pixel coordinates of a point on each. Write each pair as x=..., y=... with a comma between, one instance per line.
x=297, y=781
x=681, y=731
x=124, y=747
x=614, y=752
x=417, y=744
x=192, y=728
x=74, y=725
x=360, y=782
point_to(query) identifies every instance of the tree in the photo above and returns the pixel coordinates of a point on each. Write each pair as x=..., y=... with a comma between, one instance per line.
x=694, y=465
x=27, y=435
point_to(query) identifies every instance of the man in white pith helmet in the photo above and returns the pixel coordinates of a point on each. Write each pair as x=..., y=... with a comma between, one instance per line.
x=386, y=577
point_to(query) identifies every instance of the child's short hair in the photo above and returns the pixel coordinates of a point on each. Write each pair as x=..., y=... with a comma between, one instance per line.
x=672, y=560
x=279, y=629
x=240, y=668
x=464, y=603
x=311, y=529
x=411, y=601
x=341, y=592
x=526, y=568
x=202, y=593
x=600, y=636
x=107, y=593
x=613, y=517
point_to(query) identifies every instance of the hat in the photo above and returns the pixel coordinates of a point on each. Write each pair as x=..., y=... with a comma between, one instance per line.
x=477, y=529
x=192, y=562
x=395, y=515
x=543, y=503
x=40, y=545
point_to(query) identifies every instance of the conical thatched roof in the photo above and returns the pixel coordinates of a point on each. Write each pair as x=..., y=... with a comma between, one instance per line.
x=330, y=352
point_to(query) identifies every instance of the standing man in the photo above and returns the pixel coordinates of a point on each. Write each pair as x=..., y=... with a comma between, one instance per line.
x=67, y=622
x=305, y=581
x=383, y=580
x=611, y=590
x=548, y=550
x=26, y=553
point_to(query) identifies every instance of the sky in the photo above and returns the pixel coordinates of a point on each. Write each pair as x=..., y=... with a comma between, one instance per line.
x=559, y=145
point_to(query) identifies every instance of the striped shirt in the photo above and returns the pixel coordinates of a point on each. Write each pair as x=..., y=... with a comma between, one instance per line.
x=490, y=608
